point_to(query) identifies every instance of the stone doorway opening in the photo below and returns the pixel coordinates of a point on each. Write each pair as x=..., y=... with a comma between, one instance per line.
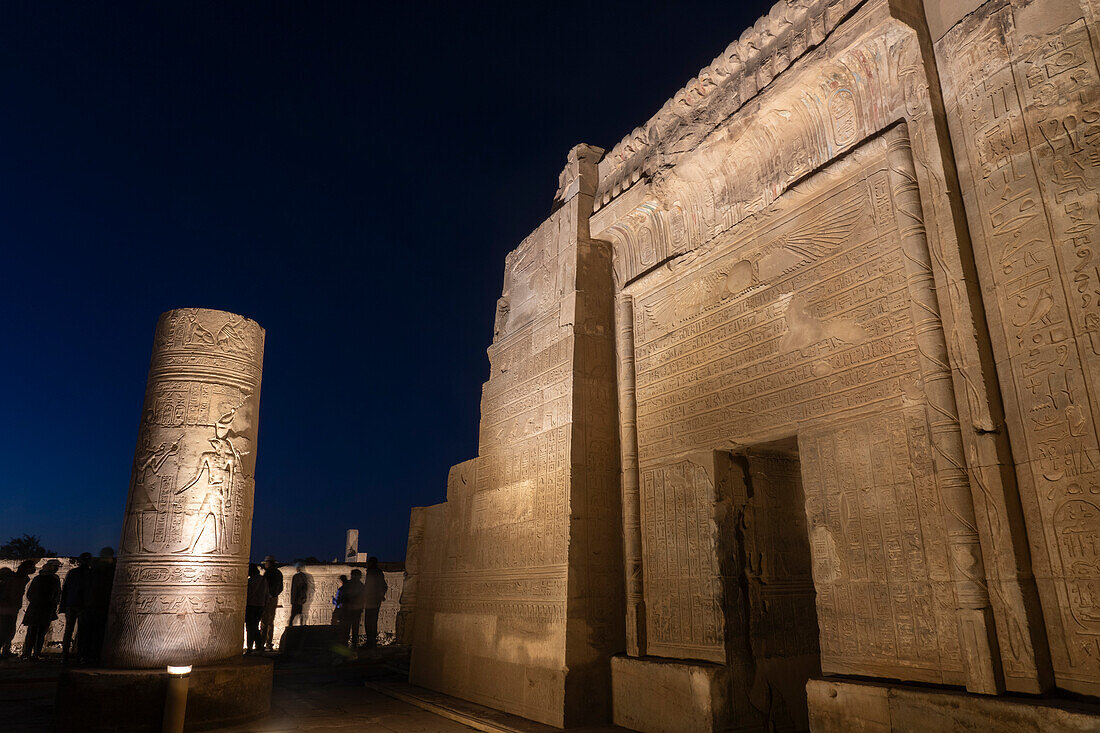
x=778, y=649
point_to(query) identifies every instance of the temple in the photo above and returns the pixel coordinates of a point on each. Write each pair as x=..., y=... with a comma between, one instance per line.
x=791, y=419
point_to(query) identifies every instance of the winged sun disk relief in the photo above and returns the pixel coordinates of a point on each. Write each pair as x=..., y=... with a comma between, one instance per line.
x=806, y=244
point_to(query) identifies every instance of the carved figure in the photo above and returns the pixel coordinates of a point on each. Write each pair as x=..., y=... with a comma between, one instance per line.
x=148, y=462
x=219, y=466
x=179, y=588
x=804, y=329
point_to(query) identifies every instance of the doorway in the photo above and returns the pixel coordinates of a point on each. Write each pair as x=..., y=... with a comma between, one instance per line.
x=779, y=615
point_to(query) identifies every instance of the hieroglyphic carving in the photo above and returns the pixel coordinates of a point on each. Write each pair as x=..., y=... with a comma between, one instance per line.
x=743, y=164
x=974, y=611
x=178, y=595
x=746, y=66
x=1024, y=96
x=826, y=325
x=683, y=589
x=828, y=329
x=406, y=616
x=522, y=566
x=885, y=601
x=631, y=497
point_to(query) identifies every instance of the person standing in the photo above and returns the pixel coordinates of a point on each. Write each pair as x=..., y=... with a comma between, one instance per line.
x=274, y=579
x=43, y=595
x=93, y=621
x=255, y=604
x=74, y=596
x=352, y=607
x=337, y=600
x=299, y=593
x=374, y=593
x=12, y=585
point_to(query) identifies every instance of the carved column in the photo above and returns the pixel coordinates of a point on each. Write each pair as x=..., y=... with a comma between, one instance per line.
x=406, y=613
x=977, y=635
x=179, y=588
x=628, y=442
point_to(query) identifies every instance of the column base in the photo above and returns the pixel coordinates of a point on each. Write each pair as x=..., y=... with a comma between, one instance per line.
x=132, y=700
x=847, y=706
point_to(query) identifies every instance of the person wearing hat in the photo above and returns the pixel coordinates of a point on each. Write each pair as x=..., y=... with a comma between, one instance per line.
x=43, y=595
x=274, y=580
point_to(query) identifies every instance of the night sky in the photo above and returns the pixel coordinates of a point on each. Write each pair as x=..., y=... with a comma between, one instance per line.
x=349, y=174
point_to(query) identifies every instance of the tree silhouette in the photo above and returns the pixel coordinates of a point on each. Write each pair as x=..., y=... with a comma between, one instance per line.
x=21, y=548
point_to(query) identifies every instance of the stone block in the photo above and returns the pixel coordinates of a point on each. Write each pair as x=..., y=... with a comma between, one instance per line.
x=865, y=707
x=692, y=698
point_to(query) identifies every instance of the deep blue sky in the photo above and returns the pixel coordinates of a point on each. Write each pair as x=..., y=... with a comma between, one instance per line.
x=349, y=174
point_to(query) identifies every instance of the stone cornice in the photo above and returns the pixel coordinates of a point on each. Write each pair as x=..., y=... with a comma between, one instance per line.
x=735, y=76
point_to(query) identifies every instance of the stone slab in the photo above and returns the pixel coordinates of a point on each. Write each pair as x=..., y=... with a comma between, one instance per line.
x=318, y=644
x=692, y=697
x=866, y=707
x=469, y=714
x=132, y=701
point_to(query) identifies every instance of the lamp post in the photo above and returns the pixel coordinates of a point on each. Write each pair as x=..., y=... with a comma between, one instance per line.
x=175, y=701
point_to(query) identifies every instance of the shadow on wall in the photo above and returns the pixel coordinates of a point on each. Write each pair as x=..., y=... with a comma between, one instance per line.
x=317, y=610
x=324, y=581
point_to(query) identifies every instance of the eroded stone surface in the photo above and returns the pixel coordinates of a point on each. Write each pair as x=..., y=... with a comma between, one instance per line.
x=518, y=590
x=838, y=706
x=179, y=588
x=1023, y=90
x=855, y=362
x=692, y=697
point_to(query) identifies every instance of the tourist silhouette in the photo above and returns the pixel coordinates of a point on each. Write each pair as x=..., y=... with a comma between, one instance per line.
x=256, y=601
x=374, y=593
x=75, y=593
x=274, y=578
x=301, y=587
x=12, y=585
x=93, y=621
x=352, y=607
x=337, y=602
x=43, y=595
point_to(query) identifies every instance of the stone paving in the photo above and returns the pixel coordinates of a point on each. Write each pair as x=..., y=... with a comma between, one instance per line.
x=333, y=702
x=302, y=700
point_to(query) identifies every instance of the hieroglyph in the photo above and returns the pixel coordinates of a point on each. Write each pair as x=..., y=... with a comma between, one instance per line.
x=179, y=588
x=1023, y=89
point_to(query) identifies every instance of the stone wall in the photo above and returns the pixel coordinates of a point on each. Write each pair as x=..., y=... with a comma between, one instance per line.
x=518, y=589
x=325, y=581
x=856, y=367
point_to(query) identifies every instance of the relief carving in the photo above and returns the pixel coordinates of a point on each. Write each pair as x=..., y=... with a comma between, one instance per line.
x=1024, y=98
x=179, y=587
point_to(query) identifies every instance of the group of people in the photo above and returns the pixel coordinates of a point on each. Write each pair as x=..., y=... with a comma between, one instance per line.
x=359, y=597
x=357, y=600
x=85, y=596
x=84, y=599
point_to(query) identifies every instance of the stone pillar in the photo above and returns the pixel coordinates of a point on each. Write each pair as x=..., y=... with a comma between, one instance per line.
x=628, y=447
x=406, y=612
x=977, y=634
x=179, y=589
x=351, y=546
